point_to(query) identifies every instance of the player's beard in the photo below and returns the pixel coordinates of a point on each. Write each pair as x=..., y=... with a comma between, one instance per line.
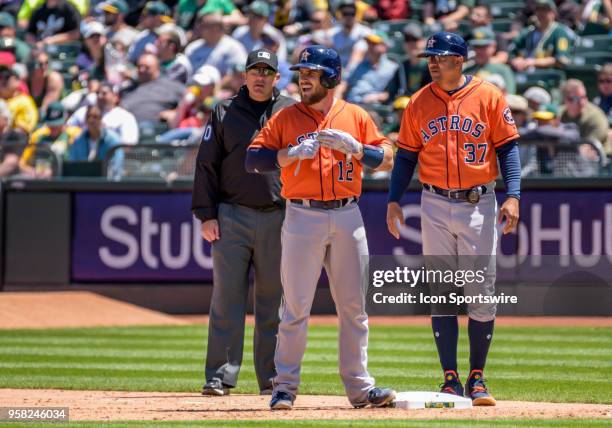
x=316, y=95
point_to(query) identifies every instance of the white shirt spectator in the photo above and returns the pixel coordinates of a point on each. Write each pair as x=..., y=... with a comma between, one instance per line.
x=243, y=35
x=119, y=120
x=224, y=55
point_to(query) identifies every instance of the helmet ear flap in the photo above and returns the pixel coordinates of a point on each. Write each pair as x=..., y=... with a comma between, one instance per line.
x=330, y=80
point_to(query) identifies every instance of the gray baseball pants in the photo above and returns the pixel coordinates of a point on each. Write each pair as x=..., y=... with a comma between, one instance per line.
x=336, y=239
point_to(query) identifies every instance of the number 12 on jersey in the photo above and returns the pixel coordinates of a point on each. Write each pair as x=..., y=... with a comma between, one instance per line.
x=475, y=152
x=345, y=171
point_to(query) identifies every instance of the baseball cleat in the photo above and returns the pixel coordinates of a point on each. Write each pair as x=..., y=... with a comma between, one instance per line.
x=452, y=384
x=267, y=391
x=476, y=389
x=216, y=388
x=281, y=401
x=378, y=397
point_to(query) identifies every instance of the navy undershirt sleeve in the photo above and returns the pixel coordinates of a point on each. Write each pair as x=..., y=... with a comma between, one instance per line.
x=261, y=159
x=403, y=169
x=510, y=165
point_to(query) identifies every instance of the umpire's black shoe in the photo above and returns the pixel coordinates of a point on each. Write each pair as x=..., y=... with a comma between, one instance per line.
x=452, y=384
x=216, y=388
x=281, y=400
x=378, y=397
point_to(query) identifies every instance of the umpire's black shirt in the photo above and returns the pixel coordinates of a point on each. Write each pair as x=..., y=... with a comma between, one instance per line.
x=220, y=175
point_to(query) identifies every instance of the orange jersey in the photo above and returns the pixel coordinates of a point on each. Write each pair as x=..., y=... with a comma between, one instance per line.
x=456, y=135
x=330, y=174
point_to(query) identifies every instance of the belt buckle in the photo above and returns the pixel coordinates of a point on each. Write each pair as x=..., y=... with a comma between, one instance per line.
x=473, y=195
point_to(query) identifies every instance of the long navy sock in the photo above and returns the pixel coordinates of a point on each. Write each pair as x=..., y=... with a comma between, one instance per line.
x=446, y=334
x=481, y=334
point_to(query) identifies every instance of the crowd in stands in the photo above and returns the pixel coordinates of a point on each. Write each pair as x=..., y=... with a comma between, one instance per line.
x=80, y=77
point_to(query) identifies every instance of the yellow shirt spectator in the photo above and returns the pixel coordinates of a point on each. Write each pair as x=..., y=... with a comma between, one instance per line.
x=24, y=111
x=29, y=6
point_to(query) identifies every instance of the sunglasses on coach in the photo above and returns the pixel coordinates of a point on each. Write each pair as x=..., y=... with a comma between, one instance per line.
x=261, y=71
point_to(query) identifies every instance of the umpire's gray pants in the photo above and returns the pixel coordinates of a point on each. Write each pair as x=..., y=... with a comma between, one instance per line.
x=247, y=237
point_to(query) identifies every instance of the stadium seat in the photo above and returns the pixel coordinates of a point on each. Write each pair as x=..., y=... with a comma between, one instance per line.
x=600, y=42
x=592, y=58
x=592, y=28
x=585, y=73
x=506, y=10
x=548, y=79
x=502, y=25
x=390, y=27
x=64, y=51
x=397, y=43
x=150, y=130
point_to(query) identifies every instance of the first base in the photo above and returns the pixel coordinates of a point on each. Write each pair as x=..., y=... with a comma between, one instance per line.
x=430, y=400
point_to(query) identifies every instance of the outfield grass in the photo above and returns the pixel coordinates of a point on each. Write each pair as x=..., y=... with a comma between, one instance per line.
x=391, y=423
x=536, y=364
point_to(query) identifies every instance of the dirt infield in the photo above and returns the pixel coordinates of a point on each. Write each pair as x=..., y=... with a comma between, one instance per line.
x=74, y=309
x=121, y=406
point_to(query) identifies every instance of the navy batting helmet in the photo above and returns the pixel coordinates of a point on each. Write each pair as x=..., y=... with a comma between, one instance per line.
x=444, y=44
x=319, y=57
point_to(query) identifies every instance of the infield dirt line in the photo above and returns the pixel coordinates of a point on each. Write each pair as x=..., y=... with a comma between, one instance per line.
x=117, y=405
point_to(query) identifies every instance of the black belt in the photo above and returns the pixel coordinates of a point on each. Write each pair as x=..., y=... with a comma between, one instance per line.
x=264, y=209
x=325, y=205
x=470, y=195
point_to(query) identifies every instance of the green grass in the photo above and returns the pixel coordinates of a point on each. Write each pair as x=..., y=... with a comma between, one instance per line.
x=391, y=423
x=536, y=364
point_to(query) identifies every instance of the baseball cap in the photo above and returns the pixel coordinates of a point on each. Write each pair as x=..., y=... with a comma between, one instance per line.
x=115, y=7
x=400, y=103
x=93, y=27
x=206, y=75
x=482, y=36
x=259, y=8
x=412, y=31
x=6, y=71
x=517, y=102
x=537, y=95
x=7, y=44
x=377, y=37
x=346, y=3
x=262, y=56
x=176, y=33
x=55, y=114
x=157, y=8
x=7, y=20
x=7, y=58
x=550, y=4
x=546, y=112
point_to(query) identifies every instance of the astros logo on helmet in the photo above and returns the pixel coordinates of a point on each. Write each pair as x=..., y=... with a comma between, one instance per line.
x=319, y=57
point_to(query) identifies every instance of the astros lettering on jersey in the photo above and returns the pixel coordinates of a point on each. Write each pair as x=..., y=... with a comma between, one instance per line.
x=331, y=174
x=462, y=129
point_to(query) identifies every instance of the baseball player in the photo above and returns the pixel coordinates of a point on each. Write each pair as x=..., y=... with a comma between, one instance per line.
x=456, y=128
x=321, y=145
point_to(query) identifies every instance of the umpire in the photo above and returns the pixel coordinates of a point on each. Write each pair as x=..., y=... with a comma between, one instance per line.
x=241, y=216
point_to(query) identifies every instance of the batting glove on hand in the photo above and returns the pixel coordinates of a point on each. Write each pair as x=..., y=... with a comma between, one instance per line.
x=307, y=149
x=339, y=140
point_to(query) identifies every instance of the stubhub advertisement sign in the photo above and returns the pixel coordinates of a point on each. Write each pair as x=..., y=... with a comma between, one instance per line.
x=153, y=236
x=137, y=236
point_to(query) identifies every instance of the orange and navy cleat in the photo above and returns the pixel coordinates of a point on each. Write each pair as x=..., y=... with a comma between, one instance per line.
x=476, y=389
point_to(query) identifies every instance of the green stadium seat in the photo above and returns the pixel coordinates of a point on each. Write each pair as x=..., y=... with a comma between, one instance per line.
x=592, y=28
x=64, y=51
x=397, y=43
x=548, y=79
x=502, y=25
x=390, y=27
x=592, y=58
x=506, y=10
x=600, y=42
x=465, y=27
x=398, y=58
x=585, y=73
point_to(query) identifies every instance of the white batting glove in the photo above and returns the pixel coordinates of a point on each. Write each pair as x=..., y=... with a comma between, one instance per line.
x=307, y=149
x=339, y=140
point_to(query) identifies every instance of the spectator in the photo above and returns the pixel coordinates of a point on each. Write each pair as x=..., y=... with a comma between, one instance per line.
x=537, y=96
x=116, y=57
x=213, y=47
x=152, y=98
x=170, y=42
x=519, y=108
x=366, y=84
x=115, y=118
x=82, y=97
x=91, y=59
x=480, y=16
x=283, y=66
x=45, y=85
x=319, y=32
x=591, y=120
x=446, y=13
x=484, y=45
x=232, y=82
x=9, y=37
x=54, y=134
x=251, y=34
x=10, y=139
x=391, y=130
x=604, y=88
x=25, y=13
x=55, y=22
x=413, y=72
x=154, y=14
x=347, y=36
x=598, y=12
x=96, y=141
x=545, y=45
x=22, y=106
x=114, y=17
x=189, y=10
x=392, y=9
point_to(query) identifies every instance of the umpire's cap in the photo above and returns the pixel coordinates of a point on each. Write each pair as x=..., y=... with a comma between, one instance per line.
x=444, y=44
x=317, y=57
